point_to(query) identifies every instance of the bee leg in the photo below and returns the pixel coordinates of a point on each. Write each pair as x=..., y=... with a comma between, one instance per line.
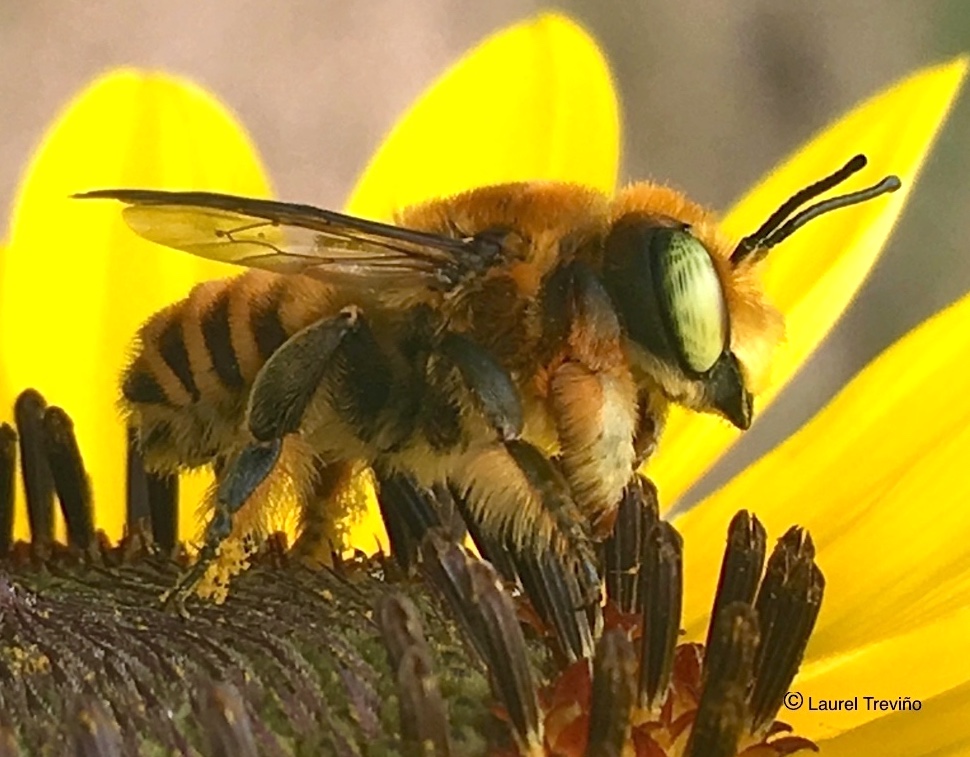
x=491, y=546
x=409, y=511
x=287, y=382
x=592, y=393
x=218, y=530
x=317, y=539
x=337, y=365
x=509, y=490
x=281, y=393
x=489, y=386
x=651, y=416
x=244, y=473
x=565, y=596
x=465, y=393
x=240, y=478
x=518, y=498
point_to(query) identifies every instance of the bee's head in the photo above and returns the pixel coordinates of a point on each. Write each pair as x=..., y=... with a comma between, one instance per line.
x=691, y=307
x=672, y=304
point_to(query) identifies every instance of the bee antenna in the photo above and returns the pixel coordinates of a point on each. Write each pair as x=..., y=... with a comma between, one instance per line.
x=780, y=225
x=886, y=186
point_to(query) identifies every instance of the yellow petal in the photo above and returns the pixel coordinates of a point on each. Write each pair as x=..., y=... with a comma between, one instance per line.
x=75, y=283
x=879, y=478
x=938, y=730
x=924, y=664
x=535, y=101
x=812, y=276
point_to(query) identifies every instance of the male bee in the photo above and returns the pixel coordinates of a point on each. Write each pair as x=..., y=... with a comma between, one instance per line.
x=517, y=343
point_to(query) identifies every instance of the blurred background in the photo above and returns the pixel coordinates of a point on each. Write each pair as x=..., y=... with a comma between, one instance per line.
x=714, y=94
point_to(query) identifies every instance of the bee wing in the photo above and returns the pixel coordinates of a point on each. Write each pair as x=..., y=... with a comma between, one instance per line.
x=290, y=238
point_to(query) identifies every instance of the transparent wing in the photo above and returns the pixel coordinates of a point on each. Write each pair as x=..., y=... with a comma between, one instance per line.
x=290, y=238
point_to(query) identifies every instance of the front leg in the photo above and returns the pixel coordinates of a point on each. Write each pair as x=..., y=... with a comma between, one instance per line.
x=595, y=414
x=591, y=394
x=651, y=417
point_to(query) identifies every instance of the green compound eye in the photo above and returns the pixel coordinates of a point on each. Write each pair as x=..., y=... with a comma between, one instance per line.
x=693, y=300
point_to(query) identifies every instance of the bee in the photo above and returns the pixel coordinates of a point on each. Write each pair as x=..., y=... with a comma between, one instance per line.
x=518, y=343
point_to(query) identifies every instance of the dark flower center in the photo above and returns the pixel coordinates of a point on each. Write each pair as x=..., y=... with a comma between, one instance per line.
x=618, y=681
x=640, y=692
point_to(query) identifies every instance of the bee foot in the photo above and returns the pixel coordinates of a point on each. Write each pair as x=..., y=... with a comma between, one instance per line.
x=187, y=585
x=174, y=600
x=409, y=512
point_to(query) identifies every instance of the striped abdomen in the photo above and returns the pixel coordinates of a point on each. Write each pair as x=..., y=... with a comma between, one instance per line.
x=185, y=391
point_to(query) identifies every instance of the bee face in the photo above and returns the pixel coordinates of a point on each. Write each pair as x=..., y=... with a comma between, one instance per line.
x=667, y=291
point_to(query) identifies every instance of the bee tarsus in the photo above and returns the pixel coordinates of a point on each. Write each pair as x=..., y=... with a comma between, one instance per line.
x=244, y=473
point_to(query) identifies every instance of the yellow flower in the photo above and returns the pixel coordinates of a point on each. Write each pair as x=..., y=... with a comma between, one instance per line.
x=74, y=285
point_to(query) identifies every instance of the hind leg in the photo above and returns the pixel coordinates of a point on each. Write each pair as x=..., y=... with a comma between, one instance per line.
x=277, y=463
x=244, y=478
x=334, y=494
